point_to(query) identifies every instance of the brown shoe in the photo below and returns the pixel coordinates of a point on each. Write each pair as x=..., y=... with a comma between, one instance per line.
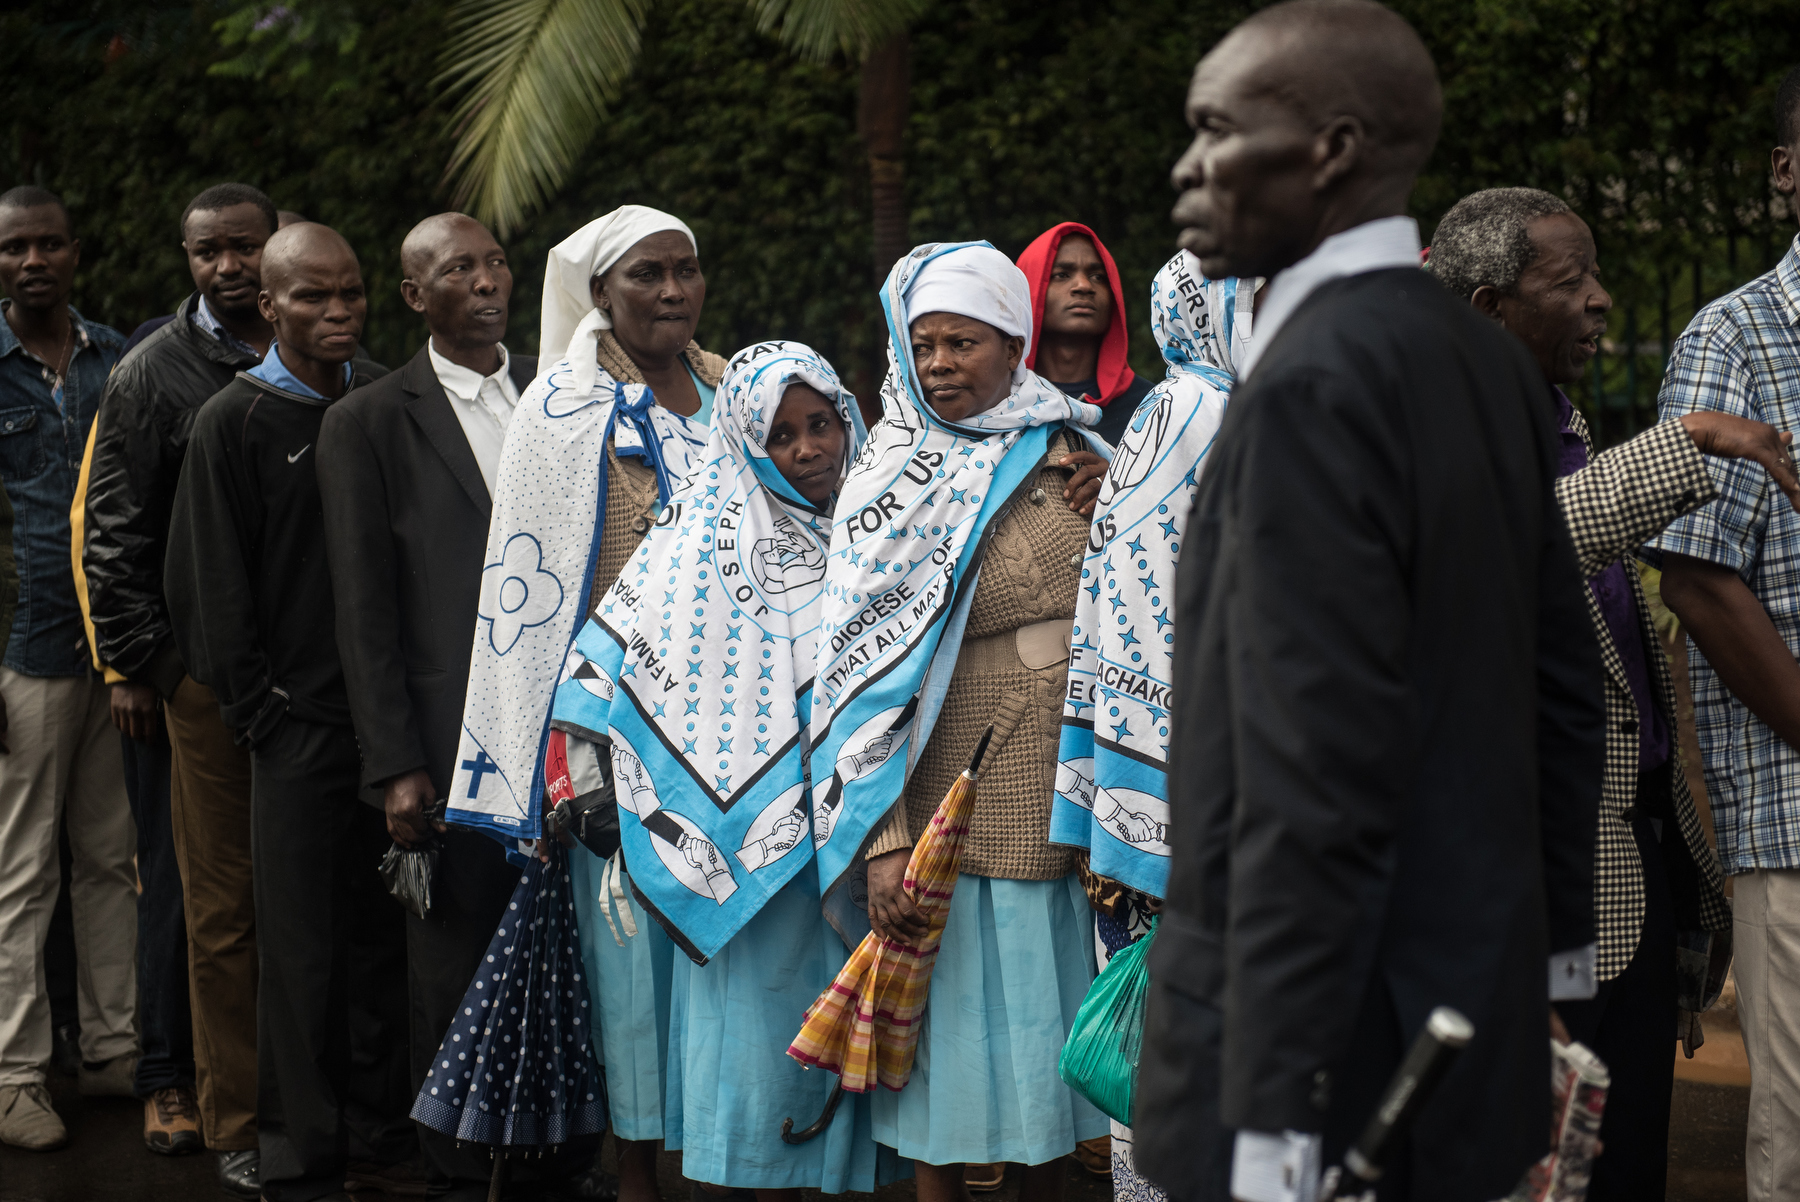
x=172, y=1122
x=984, y=1178
x=1095, y=1155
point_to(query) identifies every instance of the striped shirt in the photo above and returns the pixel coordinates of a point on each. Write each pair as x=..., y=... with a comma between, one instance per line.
x=1741, y=355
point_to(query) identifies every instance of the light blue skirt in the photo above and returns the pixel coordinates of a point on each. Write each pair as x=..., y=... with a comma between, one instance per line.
x=1016, y=962
x=629, y=987
x=731, y=1081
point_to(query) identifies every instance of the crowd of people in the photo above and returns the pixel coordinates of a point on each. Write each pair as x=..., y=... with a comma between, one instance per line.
x=1325, y=663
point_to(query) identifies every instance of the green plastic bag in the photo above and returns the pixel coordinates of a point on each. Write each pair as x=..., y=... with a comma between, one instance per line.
x=1100, y=1060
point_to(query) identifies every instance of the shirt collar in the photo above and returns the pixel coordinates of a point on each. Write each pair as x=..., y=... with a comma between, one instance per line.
x=459, y=380
x=209, y=321
x=9, y=341
x=1372, y=246
x=274, y=372
x=1787, y=277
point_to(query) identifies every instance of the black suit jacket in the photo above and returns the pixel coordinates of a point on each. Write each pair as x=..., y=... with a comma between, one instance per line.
x=1389, y=746
x=406, y=517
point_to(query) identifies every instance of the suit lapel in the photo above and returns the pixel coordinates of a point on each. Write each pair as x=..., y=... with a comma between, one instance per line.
x=1609, y=654
x=430, y=408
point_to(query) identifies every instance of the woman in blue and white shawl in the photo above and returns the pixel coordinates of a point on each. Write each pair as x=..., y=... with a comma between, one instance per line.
x=696, y=667
x=950, y=591
x=1112, y=796
x=589, y=455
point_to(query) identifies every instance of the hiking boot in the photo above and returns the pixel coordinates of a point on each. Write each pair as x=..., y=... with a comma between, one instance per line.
x=109, y=1078
x=240, y=1173
x=172, y=1122
x=27, y=1120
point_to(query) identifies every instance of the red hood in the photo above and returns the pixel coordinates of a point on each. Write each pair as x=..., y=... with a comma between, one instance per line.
x=1115, y=374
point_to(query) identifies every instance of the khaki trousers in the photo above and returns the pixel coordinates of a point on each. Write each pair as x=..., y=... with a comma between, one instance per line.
x=1766, y=934
x=65, y=753
x=209, y=806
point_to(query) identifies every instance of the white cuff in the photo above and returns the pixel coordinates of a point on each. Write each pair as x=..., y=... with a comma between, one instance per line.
x=1572, y=974
x=1276, y=1168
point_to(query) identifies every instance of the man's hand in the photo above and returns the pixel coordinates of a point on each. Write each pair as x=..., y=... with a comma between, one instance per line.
x=406, y=799
x=891, y=908
x=1084, y=485
x=135, y=710
x=1729, y=437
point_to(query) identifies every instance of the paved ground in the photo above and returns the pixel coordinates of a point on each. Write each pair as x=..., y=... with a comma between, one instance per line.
x=106, y=1162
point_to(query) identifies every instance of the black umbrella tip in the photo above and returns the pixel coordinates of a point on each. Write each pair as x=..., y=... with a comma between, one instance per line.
x=980, y=751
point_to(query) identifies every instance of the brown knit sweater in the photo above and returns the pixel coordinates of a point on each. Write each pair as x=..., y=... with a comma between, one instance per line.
x=630, y=483
x=1030, y=574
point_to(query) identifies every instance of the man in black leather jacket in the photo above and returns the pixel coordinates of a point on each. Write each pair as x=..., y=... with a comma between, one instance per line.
x=198, y=813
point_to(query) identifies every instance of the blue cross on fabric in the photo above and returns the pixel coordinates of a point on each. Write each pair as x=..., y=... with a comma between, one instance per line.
x=479, y=767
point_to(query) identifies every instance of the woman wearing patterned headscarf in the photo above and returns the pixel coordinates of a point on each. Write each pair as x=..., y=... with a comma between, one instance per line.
x=1112, y=795
x=695, y=672
x=949, y=595
x=600, y=439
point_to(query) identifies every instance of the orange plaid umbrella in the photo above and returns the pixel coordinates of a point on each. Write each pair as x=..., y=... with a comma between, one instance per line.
x=865, y=1026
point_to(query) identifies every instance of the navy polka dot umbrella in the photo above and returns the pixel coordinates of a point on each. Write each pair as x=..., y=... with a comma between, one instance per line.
x=516, y=1070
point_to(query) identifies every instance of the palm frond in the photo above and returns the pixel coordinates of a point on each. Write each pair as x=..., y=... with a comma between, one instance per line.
x=821, y=28
x=534, y=78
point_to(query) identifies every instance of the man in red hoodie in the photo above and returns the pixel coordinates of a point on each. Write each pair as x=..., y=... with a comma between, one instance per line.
x=1080, y=341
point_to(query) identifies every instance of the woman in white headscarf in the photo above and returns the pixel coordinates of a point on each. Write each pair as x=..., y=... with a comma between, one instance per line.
x=614, y=421
x=1112, y=795
x=695, y=669
x=950, y=592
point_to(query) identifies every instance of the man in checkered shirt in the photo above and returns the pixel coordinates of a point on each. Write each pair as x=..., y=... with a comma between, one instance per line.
x=1731, y=573
x=1523, y=258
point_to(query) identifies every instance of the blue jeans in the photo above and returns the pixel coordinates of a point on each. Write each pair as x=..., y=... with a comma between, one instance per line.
x=165, y=1026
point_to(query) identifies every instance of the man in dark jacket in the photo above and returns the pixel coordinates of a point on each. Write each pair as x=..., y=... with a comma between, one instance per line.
x=250, y=594
x=1390, y=731
x=406, y=466
x=201, y=807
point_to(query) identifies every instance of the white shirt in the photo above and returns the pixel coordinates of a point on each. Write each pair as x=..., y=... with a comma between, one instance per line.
x=1372, y=246
x=483, y=406
x=1285, y=1166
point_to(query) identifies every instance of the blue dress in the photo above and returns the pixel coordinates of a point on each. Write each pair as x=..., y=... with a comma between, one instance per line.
x=630, y=989
x=731, y=1081
x=1016, y=961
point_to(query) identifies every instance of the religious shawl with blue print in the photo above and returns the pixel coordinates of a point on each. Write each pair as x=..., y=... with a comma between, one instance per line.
x=697, y=664
x=1112, y=790
x=906, y=548
x=549, y=506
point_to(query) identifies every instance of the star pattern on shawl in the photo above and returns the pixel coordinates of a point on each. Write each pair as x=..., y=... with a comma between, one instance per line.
x=688, y=747
x=1093, y=590
x=724, y=745
x=728, y=709
x=762, y=710
x=1149, y=583
x=1136, y=545
x=1163, y=619
x=704, y=557
x=1129, y=637
x=762, y=746
x=1118, y=602
x=1168, y=528
x=700, y=591
x=765, y=672
x=730, y=668
x=1121, y=730
x=724, y=785
x=629, y=669
x=661, y=706
x=693, y=706
x=697, y=630
x=959, y=496
x=733, y=632
x=693, y=667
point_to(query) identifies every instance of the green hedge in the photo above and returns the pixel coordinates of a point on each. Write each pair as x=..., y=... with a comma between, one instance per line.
x=1651, y=116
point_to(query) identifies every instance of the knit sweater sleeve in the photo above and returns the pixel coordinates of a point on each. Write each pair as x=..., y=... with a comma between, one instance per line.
x=895, y=836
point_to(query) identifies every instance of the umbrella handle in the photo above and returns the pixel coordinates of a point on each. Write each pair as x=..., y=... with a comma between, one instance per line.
x=498, y=1182
x=790, y=1136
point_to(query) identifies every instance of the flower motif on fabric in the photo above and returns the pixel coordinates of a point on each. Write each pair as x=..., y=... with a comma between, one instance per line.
x=517, y=593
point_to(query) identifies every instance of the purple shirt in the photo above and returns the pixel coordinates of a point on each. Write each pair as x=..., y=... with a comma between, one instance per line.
x=1612, y=590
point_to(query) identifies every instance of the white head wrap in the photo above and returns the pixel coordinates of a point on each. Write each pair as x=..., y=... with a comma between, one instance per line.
x=978, y=282
x=571, y=320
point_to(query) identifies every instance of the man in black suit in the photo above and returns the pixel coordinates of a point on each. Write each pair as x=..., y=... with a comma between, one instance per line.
x=406, y=467
x=1390, y=727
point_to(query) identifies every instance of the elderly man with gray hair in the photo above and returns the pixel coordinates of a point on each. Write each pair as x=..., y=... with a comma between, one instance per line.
x=1525, y=259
